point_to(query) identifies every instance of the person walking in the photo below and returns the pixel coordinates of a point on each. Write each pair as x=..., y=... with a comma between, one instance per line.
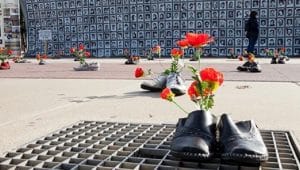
x=252, y=31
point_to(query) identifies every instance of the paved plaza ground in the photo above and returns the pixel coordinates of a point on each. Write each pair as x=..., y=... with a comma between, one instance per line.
x=37, y=100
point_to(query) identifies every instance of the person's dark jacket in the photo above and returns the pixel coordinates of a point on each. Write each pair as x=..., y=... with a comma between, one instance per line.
x=251, y=28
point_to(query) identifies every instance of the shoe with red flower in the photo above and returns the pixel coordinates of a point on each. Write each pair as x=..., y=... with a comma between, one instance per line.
x=5, y=66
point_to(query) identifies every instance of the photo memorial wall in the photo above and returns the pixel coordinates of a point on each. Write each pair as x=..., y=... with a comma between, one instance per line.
x=10, y=35
x=107, y=27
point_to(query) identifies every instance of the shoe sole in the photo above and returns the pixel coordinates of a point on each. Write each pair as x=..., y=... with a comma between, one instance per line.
x=153, y=89
x=191, y=156
x=241, y=69
x=244, y=158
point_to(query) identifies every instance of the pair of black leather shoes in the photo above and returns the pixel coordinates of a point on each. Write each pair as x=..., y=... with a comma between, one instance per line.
x=195, y=138
x=250, y=66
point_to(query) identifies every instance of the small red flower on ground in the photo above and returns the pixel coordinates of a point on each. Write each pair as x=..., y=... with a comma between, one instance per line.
x=139, y=72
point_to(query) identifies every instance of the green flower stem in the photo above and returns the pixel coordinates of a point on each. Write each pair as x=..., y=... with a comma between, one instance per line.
x=180, y=107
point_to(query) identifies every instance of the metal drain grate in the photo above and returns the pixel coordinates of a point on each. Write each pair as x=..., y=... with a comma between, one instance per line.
x=91, y=145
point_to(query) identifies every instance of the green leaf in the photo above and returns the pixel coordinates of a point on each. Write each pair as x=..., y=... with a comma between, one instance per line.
x=193, y=70
x=204, y=84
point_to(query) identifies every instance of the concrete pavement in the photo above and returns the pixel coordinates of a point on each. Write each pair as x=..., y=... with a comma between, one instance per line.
x=32, y=108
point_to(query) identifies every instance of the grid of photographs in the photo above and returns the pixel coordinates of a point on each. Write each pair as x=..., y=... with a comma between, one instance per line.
x=10, y=35
x=106, y=27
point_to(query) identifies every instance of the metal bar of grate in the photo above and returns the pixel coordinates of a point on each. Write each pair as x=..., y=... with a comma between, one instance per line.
x=92, y=145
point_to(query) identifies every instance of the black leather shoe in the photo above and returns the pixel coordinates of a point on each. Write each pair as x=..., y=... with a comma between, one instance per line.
x=195, y=136
x=254, y=67
x=244, y=67
x=241, y=141
x=281, y=61
x=273, y=60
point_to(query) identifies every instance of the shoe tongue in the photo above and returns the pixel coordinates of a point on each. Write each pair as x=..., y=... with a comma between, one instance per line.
x=198, y=119
x=228, y=126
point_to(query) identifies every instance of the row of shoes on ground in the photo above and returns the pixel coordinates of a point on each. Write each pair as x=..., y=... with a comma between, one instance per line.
x=196, y=139
x=280, y=60
x=250, y=66
x=173, y=81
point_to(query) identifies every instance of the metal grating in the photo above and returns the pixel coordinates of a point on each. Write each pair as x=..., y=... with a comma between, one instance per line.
x=91, y=145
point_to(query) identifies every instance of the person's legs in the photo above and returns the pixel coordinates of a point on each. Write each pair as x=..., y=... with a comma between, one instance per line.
x=252, y=42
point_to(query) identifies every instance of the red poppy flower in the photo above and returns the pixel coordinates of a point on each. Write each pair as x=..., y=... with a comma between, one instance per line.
x=139, y=72
x=183, y=43
x=9, y=52
x=72, y=50
x=211, y=75
x=87, y=54
x=198, y=40
x=193, y=91
x=167, y=94
x=81, y=47
x=176, y=53
x=241, y=58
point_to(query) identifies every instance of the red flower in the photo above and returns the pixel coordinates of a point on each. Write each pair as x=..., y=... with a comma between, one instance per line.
x=44, y=56
x=167, y=94
x=81, y=47
x=183, y=43
x=9, y=52
x=139, y=72
x=241, y=58
x=87, y=54
x=193, y=91
x=177, y=53
x=198, y=40
x=72, y=50
x=211, y=75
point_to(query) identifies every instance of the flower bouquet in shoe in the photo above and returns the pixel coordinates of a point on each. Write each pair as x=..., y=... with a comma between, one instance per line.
x=250, y=65
x=157, y=82
x=19, y=59
x=4, y=56
x=156, y=52
x=269, y=53
x=175, y=82
x=195, y=136
x=41, y=58
x=170, y=77
x=281, y=56
x=81, y=54
x=133, y=60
